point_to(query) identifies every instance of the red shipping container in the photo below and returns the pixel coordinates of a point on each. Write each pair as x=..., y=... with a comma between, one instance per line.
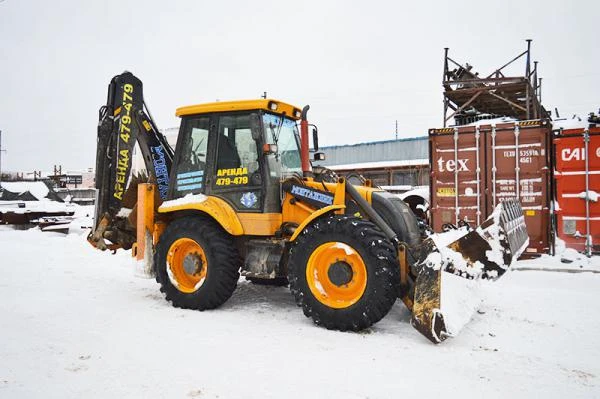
x=473, y=168
x=577, y=172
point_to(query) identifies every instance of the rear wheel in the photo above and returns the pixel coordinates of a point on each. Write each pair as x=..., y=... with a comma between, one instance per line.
x=197, y=265
x=343, y=272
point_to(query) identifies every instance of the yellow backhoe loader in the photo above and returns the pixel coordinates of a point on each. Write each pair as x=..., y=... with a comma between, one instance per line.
x=239, y=195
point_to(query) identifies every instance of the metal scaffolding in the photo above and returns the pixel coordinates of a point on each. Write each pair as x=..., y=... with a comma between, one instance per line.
x=468, y=97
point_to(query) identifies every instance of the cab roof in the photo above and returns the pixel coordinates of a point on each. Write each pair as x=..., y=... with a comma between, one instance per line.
x=271, y=105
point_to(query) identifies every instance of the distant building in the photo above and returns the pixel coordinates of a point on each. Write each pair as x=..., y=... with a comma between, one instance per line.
x=395, y=165
x=71, y=179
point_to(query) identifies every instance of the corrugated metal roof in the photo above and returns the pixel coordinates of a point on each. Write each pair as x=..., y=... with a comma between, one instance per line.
x=382, y=164
x=377, y=151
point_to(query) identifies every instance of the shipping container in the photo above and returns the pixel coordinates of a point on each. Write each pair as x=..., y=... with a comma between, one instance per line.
x=577, y=174
x=473, y=168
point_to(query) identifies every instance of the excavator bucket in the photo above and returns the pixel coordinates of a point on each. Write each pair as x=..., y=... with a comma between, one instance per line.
x=452, y=263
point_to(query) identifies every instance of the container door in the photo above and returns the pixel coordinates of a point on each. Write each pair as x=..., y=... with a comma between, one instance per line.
x=577, y=155
x=518, y=162
x=457, y=191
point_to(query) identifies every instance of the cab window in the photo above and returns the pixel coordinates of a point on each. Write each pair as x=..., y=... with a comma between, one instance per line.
x=283, y=132
x=237, y=153
x=192, y=148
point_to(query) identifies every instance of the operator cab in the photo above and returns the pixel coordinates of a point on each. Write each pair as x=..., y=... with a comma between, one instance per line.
x=238, y=151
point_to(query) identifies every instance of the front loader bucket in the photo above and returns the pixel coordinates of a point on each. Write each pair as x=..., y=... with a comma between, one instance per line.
x=451, y=264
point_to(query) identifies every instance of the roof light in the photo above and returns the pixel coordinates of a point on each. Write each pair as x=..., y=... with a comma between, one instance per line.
x=297, y=113
x=273, y=106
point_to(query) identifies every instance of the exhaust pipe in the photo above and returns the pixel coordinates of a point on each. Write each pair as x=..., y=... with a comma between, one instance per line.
x=304, y=153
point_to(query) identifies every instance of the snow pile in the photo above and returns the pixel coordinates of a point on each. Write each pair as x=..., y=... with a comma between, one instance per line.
x=460, y=299
x=444, y=239
x=83, y=220
x=565, y=260
x=451, y=257
x=37, y=188
x=496, y=252
x=185, y=200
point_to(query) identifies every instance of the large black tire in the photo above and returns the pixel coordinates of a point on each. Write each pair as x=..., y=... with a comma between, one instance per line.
x=217, y=260
x=379, y=261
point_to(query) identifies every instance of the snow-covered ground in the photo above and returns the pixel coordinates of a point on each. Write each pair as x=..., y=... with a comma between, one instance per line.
x=75, y=322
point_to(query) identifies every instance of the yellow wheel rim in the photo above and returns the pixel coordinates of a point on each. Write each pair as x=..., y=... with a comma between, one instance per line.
x=186, y=265
x=336, y=275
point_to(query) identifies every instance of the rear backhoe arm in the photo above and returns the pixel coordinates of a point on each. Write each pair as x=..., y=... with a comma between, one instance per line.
x=123, y=121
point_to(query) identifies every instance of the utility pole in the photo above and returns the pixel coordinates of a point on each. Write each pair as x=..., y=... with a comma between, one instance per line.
x=396, y=129
x=57, y=175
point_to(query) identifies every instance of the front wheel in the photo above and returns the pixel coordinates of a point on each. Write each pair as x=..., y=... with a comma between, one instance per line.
x=197, y=264
x=343, y=272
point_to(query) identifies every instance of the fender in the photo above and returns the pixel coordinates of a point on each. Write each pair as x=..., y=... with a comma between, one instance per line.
x=215, y=207
x=314, y=216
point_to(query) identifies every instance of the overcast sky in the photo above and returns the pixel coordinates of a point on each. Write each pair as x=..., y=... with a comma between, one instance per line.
x=361, y=65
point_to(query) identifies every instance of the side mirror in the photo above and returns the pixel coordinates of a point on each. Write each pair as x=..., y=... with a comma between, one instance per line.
x=319, y=156
x=255, y=126
x=315, y=135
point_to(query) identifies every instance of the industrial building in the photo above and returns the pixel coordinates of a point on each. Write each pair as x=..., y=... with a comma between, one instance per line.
x=395, y=165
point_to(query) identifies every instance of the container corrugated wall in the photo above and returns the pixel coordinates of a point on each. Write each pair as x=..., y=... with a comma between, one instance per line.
x=577, y=171
x=473, y=168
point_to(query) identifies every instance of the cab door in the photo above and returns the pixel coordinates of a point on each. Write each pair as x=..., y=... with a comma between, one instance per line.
x=236, y=175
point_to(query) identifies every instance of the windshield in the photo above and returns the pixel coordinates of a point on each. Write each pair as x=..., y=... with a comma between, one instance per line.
x=283, y=132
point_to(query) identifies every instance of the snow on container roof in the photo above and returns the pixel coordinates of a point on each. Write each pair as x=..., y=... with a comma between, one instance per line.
x=570, y=123
x=493, y=121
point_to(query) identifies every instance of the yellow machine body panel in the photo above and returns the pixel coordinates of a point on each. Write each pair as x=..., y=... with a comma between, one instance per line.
x=315, y=215
x=260, y=224
x=267, y=224
x=237, y=224
x=215, y=207
x=294, y=211
x=275, y=106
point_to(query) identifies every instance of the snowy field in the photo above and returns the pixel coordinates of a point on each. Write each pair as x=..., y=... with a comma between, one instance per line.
x=76, y=323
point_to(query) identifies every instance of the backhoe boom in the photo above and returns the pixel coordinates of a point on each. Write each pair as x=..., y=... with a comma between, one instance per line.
x=123, y=121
